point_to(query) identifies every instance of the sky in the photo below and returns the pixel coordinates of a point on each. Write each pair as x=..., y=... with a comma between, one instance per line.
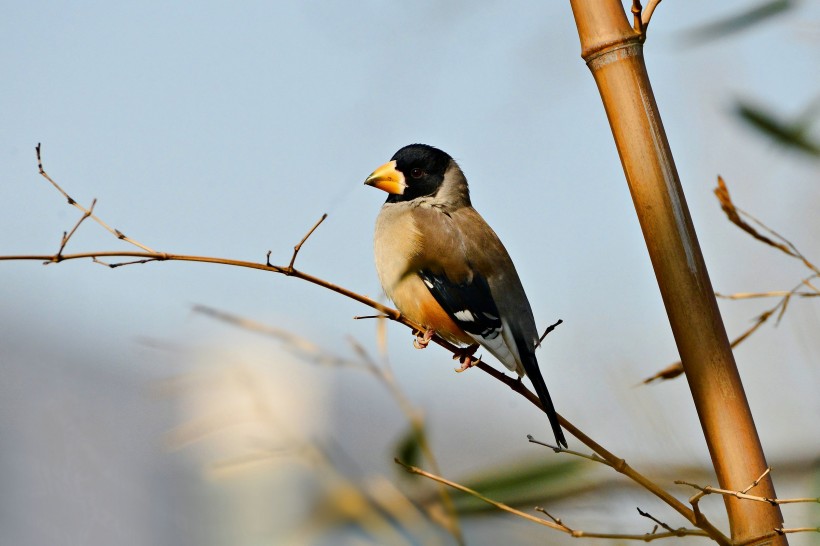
x=226, y=130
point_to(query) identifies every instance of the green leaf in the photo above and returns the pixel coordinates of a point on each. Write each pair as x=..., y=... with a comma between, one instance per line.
x=523, y=484
x=408, y=448
x=789, y=134
x=739, y=22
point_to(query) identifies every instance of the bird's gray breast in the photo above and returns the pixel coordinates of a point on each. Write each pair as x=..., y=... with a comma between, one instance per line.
x=396, y=244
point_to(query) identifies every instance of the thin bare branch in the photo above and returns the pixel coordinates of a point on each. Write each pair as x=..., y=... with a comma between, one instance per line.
x=476, y=494
x=647, y=13
x=772, y=294
x=708, y=489
x=757, y=481
x=556, y=522
x=733, y=214
x=311, y=352
x=298, y=247
x=118, y=234
x=656, y=520
x=676, y=369
x=641, y=16
x=637, y=21
x=549, y=329
x=297, y=345
x=785, y=531
x=558, y=449
x=416, y=419
x=67, y=236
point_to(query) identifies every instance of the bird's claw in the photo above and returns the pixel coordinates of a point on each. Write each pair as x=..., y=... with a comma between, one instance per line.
x=423, y=339
x=465, y=357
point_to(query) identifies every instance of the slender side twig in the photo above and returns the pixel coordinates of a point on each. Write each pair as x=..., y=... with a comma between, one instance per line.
x=735, y=214
x=641, y=16
x=743, y=494
x=637, y=21
x=117, y=233
x=558, y=449
x=549, y=329
x=385, y=376
x=647, y=13
x=658, y=522
x=775, y=240
x=772, y=294
x=68, y=235
x=707, y=489
x=300, y=346
x=298, y=247
x=311, y=352
x=556, y=523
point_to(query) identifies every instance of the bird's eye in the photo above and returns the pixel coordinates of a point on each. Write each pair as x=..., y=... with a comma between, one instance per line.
x=417, y=173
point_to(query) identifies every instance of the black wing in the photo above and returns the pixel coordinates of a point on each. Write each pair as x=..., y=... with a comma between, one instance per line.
x=470, y=304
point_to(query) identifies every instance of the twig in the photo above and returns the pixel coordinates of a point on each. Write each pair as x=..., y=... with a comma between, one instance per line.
x=311, y=352
x=476, y=494
x=708, y=489
x=763, y=539
x=298, y=247
x=117, y=233
x=647, y=13
x=637, y=22
x=67, y=236
x=559, y=449
x=556, y=523
x=734, y=214
x=296, y=345
x=773, y=294
x=676, y=369
x=555, y=519
x=641, y=17
x=549, y=329
x=656, y=520
x=621, y=466
x=416, y=420
x=757, y=481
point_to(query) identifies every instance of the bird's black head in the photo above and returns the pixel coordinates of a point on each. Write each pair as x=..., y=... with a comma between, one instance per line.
x=414, y=171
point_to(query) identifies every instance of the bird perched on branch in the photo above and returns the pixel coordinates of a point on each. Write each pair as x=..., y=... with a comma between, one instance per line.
x=446, y=269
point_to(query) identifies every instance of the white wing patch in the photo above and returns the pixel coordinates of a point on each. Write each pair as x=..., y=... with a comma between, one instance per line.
x=465, y=315
x=501, y=345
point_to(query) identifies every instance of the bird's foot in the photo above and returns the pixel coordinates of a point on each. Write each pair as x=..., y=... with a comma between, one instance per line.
x=465, y=356
x=423, y=339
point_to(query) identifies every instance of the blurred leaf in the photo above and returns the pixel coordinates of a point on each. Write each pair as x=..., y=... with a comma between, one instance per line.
x=792, y=135
x=744, y=20
x=408, y=448
x=520, y=484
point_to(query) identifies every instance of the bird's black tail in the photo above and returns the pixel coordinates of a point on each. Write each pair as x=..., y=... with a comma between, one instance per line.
x=534, y=373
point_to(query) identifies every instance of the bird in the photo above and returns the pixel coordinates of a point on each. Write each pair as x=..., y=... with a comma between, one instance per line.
x=444, y=267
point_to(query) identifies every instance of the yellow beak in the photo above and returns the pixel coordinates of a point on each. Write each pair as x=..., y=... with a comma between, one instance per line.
x=387, y=178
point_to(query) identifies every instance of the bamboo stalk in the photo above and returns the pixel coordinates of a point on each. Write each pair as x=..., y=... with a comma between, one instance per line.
x=614, y=53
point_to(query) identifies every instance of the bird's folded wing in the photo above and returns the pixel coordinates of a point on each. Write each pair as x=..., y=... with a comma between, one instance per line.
x=471, y=305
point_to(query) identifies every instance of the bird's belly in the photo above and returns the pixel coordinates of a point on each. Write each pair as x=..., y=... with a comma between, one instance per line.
x=415, y=302
x=397, y=248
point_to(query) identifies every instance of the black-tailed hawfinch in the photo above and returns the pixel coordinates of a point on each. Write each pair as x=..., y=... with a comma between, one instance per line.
x=446, y=269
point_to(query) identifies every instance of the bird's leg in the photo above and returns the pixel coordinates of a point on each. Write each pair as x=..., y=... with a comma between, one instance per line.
x=465, y=356
x=423, y=339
